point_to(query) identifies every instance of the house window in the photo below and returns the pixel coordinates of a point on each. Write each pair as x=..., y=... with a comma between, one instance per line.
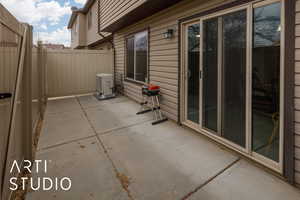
x=90, y=16
x=137, y=57
x=75, y=28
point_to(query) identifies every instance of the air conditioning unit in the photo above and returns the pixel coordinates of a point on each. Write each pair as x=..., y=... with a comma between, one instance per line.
x=105, y=86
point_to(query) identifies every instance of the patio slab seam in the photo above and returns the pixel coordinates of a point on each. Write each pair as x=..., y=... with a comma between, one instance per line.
x=117, y=173
x=120, y=128
x=187, y=196
x=110, y=130
x=64, y=143
x=62, y=112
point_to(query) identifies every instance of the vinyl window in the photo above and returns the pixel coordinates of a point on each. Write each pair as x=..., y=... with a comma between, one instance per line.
x=90, y=16
x=137, y=57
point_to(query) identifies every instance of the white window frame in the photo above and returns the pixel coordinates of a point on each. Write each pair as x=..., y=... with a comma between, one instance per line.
x=134, y=68
x=90, y=20
x=75, y=27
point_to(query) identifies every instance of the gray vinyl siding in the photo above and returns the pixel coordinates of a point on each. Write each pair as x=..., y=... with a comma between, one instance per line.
x=297, y=94
x=163, y=59
x=163, y=53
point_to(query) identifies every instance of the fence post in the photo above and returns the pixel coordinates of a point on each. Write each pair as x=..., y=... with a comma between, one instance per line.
x=27, y=92
x=45, y=80
x=40, y=76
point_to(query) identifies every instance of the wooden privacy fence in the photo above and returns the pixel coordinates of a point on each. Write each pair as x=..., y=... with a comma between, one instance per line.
x=73, y=72
x=22, y=96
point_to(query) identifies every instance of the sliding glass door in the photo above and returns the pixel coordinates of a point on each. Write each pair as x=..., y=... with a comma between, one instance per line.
x=234, y=78
x=224, y=62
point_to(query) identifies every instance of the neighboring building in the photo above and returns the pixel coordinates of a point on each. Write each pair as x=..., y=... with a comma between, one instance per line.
x=54, y=46
x=84, y=28
x=227, y=68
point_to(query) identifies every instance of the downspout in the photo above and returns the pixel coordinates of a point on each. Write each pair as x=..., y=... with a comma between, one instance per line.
x=114, y=53
x=110, y=41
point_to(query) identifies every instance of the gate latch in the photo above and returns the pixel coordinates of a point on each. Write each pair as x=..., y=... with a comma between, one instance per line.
x=5, y=96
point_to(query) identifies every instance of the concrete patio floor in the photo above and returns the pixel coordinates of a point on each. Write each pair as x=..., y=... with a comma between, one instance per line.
x=110, y=153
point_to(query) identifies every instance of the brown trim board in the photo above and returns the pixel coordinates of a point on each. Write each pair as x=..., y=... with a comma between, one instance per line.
x=289, y=87
x=179, y=75
x=216, y=9
x=144, y=10
x=101, y=41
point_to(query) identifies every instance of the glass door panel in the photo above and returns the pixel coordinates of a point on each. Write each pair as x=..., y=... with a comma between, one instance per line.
x=130, y=58
x=141, y=56
x=193, y=56
x=266, y=80
x=210, y=75
x=234, y=76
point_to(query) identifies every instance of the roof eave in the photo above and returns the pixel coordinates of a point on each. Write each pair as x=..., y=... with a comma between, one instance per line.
x=72, y=19
x=139, y=13
x=83, y=10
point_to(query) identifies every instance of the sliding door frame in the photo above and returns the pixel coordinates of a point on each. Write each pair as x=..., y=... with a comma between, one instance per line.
x=185, y=72
x=247, y=151
x=220, y=73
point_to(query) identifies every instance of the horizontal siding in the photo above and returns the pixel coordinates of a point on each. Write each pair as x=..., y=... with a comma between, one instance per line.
x=92, y=31
x=297, y=94
x=163, y=59
x=163, y=53
x=112, y=10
